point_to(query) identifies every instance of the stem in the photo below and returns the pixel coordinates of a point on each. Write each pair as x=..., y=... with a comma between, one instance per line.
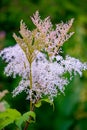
x=26, y=126
x=30, y=75
x=31, y=105
x=31, y=84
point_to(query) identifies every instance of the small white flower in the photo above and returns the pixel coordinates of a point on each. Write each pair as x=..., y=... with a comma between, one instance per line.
x=47, y=76
x=26, y=57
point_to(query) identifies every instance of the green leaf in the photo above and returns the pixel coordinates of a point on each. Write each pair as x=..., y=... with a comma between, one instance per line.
x=39, y=103
x=47, y=100
x=27, y=114
x=7, y=117
x=25, y=117
x=5, y=122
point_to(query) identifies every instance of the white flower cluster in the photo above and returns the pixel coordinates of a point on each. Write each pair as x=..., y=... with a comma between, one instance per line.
x=41, y=77
x=47, y=76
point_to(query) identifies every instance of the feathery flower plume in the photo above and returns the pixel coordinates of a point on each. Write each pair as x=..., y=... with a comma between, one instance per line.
x=41, y=77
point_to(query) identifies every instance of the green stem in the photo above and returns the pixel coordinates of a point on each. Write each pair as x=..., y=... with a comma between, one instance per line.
x=31, y=84
x=31, y=105
x=30, y=75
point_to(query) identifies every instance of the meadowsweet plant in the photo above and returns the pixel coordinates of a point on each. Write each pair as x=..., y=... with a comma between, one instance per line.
x=36, y=59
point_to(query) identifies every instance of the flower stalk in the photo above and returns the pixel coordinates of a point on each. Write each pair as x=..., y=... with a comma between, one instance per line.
x=31, y=105
x=40, y=77
x=30, y=84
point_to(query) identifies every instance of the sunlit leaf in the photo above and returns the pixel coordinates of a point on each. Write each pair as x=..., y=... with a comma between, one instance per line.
x=39, y=103
x=7, y=117
x=25, y=117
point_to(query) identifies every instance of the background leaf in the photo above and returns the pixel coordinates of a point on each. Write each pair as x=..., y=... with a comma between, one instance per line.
x=8, y=117
x=39, y=103
x=24, y=118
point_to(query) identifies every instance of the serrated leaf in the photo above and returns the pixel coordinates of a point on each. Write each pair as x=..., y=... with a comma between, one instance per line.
x=25, y=117
x=7, y=117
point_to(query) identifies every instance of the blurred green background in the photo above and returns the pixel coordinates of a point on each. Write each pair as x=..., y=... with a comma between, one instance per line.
x=70, y=112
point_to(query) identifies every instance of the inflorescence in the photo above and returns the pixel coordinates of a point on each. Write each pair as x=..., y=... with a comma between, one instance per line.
x=29, y=55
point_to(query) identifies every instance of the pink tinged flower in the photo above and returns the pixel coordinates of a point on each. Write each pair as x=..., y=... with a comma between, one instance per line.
x=54, y=39
x=47, y=75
